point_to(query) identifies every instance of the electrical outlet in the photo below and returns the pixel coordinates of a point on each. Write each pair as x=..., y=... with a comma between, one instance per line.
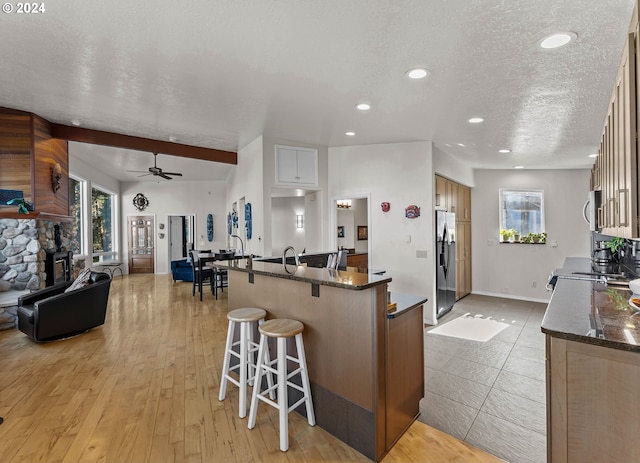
x=534, y=284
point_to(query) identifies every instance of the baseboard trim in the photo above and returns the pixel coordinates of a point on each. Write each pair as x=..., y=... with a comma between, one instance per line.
x=511, y=296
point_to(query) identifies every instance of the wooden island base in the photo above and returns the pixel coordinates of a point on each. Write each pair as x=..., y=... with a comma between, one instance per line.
x=365, y=366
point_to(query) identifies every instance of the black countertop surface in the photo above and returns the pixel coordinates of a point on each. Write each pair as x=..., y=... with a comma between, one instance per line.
x=592, y=312
x=322, y=276
x=405, y=303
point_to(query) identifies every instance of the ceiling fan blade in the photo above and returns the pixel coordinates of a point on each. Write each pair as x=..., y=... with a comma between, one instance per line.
x=175, y=174
x=143, y=175
x=137, y=171
x=165, y=176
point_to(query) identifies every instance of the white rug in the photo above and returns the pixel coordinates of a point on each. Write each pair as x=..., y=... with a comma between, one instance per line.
x=470, y=327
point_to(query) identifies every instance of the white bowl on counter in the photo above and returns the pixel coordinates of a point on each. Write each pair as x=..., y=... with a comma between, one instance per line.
x=634, y=286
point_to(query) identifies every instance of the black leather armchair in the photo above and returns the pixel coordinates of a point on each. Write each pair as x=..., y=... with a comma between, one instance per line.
x=51, y=313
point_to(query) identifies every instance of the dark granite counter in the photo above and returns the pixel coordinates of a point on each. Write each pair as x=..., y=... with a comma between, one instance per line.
x=591, y=312
x=321, y=276
x=405, y=303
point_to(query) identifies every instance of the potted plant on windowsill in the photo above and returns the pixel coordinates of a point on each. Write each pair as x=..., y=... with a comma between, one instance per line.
x=505, y=234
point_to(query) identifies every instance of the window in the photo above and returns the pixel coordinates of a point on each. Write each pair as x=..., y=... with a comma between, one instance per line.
x=75, y=211
x=522, y=211
x=102, y=223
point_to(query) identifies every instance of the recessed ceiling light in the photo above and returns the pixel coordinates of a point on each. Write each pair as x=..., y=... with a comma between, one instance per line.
x=518, y=167
x=504, y=151
x=461, y=144
x=476, y=120
x=363, y=107
x=594, y=155
x=350, y=134
x=417, y=73
x=75, y=122
x=557, y=40
x=173, y=139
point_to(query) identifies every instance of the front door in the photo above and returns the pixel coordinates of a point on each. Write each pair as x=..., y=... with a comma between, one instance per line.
x=141, y=247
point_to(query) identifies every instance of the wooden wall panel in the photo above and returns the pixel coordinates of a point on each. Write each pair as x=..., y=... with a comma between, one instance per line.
x=15, y=153
x=28, y=154
x=47, y=152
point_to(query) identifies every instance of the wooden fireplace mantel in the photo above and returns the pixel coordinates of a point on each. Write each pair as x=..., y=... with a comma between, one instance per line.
x=37, y=215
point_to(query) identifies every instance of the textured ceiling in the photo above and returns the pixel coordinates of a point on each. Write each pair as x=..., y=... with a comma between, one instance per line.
x=220, y=73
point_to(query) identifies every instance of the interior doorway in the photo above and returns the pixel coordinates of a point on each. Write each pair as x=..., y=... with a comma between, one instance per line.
x=181, y=236
x=353, y=230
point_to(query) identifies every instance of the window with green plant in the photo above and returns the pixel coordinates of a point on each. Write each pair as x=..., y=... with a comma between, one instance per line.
x=522, y=216
x=76, y=194
x=102, y=224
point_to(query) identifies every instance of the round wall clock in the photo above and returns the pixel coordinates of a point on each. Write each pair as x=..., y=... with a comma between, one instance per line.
x=140, y=202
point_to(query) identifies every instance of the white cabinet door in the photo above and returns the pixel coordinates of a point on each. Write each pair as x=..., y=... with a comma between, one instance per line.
x=296, y=165
x=308, y=167
x=286, y=165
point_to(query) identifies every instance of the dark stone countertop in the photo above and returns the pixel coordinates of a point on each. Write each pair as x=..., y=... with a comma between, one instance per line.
x=591, y=312
x=321, y=276
x=406, y=303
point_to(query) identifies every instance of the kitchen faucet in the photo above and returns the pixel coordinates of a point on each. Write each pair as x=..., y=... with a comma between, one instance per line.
x=241, y=243
x=295, y=255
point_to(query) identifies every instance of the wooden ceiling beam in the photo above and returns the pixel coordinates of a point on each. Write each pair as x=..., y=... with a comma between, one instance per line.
x=98, y=137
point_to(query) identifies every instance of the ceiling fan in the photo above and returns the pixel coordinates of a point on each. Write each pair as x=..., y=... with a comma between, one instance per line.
x=157, y=171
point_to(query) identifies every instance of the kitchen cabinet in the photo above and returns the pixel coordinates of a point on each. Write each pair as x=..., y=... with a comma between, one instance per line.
x=592, y=402
x=463, y=207
x=615, y=172
x=463, y=258
x=296, y=165
x=360, y=261
x=441, y=193
x=455, y=197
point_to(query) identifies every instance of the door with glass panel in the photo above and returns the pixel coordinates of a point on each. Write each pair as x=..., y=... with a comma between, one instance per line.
x=141, y=245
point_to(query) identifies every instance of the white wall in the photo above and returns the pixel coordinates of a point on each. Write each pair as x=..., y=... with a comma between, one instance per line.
x=245, y=185
x=449, y=167
x=509, y=270
x=315, y=216
x=401, y=174
x=175, y=197
x=283, y=217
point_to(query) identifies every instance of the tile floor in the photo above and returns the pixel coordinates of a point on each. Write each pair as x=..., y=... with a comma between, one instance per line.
x=490, y=394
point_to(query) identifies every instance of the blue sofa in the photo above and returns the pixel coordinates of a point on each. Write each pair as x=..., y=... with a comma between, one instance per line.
x=181, y=270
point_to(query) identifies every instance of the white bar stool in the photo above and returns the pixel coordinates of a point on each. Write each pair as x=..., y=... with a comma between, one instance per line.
x=281, y=329
x=246, y=347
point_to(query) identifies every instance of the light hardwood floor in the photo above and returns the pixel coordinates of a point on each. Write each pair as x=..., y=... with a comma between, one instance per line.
x=144, y=388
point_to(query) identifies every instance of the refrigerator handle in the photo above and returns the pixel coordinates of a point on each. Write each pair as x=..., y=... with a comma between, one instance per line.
x=445, y=237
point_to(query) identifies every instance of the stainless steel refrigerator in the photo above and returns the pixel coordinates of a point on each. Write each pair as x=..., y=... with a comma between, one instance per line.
x=445, y=261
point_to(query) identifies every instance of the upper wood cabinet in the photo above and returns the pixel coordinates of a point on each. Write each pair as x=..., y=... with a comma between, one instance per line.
x=447, y=195
x=463, y=203
x=615, y=172
x=296, y=165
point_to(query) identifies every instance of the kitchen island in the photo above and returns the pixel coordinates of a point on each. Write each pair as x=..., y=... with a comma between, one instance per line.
x=593, y=370
x=365, y=363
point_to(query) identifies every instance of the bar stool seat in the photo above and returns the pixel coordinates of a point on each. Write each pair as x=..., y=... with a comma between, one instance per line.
x=244, y=350
x=281, y=330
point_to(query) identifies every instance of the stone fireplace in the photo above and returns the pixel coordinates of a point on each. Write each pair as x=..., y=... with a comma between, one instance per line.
x=24, y=245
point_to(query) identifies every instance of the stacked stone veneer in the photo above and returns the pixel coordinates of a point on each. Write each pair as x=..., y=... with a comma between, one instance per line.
x=23, y=245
